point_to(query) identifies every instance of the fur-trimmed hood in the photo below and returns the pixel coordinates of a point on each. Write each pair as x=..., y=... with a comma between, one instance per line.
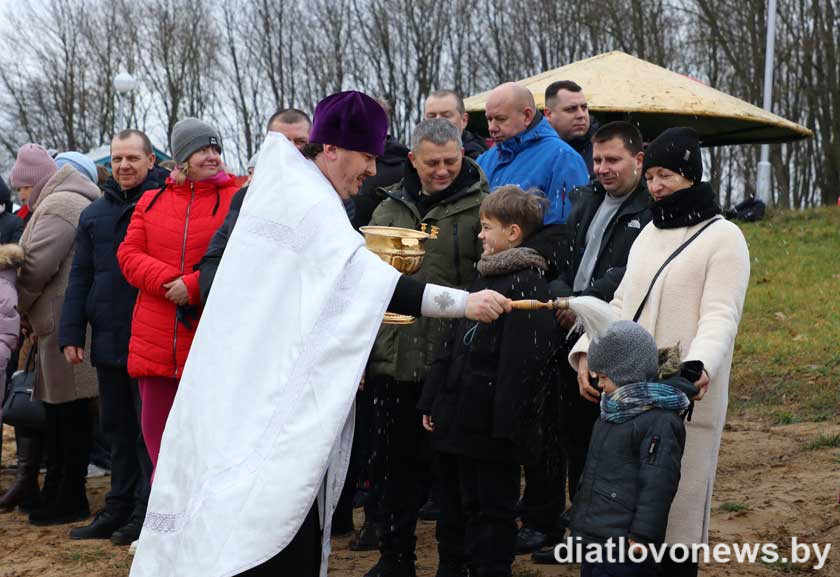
x=11, y=256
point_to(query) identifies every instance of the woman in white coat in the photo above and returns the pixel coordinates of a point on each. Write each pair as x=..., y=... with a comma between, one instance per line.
x=695, y=302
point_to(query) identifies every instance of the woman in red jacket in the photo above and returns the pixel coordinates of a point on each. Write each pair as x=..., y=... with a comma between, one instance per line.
x=167, y=236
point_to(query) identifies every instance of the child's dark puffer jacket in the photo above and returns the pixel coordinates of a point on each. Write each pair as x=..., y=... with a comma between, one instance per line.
x=631, y=476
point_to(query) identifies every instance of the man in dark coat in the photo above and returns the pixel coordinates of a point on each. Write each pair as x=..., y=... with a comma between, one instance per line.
x=448, y=104
x=606, y=218
x=11, y=226
x=99, y=295
x=389, y=171
x=292, y=123
x=567, y=112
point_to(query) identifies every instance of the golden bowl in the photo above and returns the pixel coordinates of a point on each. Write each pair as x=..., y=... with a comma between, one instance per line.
x=402, y=248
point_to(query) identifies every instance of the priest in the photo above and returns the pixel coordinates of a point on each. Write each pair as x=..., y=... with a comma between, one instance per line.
x=256, y=447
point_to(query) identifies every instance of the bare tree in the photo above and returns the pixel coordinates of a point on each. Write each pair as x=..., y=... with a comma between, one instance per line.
x=181, y=40
x=235, y=62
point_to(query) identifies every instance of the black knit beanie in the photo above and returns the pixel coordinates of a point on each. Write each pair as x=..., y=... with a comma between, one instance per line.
x=678, y=150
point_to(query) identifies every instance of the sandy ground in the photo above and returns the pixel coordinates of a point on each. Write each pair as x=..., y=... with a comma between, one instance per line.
x=780, y=487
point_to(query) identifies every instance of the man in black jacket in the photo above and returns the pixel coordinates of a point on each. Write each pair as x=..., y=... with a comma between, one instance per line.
x=292, y=123
x=606, y=218
x=449, y=105
x=99, y=295
x=568, y=113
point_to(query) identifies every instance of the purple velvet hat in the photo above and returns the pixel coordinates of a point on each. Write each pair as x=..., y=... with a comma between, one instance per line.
x=350, y=120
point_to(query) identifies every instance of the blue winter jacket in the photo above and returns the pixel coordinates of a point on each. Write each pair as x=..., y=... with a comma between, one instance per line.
x=537, y=158
x=97, y=292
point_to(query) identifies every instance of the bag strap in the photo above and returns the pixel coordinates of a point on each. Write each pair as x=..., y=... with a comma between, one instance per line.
x=666, y=263
x=30, y=358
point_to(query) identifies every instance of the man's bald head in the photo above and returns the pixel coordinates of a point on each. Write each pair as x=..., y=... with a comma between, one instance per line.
x=510, y=109
x=514, y=93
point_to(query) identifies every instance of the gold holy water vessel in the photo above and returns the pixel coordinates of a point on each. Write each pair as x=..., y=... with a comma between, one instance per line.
x=403, y=249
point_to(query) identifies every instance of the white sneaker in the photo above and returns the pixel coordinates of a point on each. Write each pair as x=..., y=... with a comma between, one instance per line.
x=96, y=471
x=133, y=547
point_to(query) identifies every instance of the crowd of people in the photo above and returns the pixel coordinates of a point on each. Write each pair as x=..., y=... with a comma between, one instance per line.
x=107, y=282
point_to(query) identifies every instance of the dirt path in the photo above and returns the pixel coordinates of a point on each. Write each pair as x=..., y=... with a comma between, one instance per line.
x=770, y=486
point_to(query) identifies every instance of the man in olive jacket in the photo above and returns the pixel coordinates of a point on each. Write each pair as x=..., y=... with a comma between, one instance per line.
x=443, y=189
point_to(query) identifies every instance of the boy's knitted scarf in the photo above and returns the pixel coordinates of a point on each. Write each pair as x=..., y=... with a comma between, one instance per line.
x=509, y=261
x=629, y=401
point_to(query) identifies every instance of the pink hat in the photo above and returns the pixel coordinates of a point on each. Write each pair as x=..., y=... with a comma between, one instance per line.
x=32, y=165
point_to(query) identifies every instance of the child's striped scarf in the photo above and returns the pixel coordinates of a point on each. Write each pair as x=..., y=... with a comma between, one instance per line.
x=628, y=401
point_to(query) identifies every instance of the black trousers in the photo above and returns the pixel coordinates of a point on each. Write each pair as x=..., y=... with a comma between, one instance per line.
x=478, y=513
x=580, y=416
x=68, y=438
x=300, y=558
x=119, y=419
x=404, y=454
x=626, y=569
x=544, y=498
x=670, y=568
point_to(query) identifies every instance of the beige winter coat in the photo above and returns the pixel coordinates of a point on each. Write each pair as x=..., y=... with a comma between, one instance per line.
x=696, y=302
x=48, y=242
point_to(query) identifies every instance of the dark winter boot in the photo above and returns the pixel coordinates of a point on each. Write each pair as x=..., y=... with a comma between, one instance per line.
x=75, y=436
x=430, y=510
x=69, y=506
x=451, y=571
x=393, y=565
x=49, y=490
x=367, y=538
x=24, y=491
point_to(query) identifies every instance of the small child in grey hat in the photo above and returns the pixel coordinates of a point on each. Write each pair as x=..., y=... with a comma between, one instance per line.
x=632, y=469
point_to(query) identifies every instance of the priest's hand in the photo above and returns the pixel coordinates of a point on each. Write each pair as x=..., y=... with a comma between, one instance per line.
x=428, y=423
x=486, y=306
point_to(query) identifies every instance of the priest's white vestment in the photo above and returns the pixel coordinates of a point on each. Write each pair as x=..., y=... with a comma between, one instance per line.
x=263, y=419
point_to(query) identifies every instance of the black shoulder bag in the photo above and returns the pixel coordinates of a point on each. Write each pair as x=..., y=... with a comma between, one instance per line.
x=19, y=408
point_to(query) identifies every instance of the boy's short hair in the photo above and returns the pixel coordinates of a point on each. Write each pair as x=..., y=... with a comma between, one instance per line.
x=512, y=205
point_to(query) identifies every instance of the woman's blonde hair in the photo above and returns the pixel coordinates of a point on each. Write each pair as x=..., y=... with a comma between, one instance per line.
x=181, y=173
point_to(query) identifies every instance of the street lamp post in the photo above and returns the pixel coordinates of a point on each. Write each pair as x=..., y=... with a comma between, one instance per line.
x=123, y=84
x=762, y=185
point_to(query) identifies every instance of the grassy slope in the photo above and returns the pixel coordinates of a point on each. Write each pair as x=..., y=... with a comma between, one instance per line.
x=787, y=355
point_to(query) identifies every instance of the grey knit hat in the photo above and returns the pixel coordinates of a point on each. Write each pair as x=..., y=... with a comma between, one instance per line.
x=191, y=134
x=626, y=353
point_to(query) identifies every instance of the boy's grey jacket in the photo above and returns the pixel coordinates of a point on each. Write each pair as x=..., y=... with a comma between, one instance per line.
x=631, y=476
